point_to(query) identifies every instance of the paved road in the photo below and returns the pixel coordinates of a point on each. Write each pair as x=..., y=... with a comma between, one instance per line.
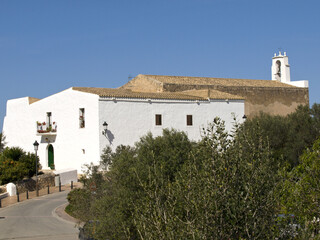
x=35, y=219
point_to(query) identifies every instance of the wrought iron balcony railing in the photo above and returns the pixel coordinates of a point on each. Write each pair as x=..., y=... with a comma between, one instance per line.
x=46, y=128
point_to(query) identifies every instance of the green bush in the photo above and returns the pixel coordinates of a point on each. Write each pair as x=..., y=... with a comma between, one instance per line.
x=226, y=189
x=229, y=185
x=15, y=164
x=79, y=203
x=301, y=195
x=289, y=135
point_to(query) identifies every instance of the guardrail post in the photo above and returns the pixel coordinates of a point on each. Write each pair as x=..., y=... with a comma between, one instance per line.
x=27, y=194
x=18, y=198
x=59, y=186
x=71, y=184
x=48, y=189
x=0, y=203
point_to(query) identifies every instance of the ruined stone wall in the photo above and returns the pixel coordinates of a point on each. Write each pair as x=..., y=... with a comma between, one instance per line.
x=274, y=101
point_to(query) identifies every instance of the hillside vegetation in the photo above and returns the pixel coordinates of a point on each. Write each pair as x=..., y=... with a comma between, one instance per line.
x=15, y=163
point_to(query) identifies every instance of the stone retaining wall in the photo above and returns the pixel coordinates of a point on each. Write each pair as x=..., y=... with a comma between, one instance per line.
x=30, y=184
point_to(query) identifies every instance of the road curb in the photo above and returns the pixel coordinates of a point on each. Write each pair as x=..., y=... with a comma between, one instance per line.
x=59, y=213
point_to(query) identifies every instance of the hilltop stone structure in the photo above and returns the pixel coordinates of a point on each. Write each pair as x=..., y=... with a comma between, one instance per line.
x=75, y=125
x=278, y=97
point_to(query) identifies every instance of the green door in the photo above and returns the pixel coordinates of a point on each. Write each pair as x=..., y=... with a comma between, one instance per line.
x=50, y=157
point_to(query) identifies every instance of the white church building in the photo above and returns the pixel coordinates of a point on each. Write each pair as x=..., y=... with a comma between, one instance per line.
x=75, y=125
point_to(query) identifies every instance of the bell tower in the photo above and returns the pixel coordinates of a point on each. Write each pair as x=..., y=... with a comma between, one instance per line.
x=280, y=69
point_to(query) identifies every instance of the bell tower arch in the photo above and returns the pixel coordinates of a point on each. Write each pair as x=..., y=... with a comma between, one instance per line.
x=280, y=69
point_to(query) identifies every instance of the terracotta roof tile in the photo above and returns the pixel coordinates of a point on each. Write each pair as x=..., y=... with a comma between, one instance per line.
x=212, y=94
x=122, y=93
x=215, y=81
x=32, y=100
x=185, y=95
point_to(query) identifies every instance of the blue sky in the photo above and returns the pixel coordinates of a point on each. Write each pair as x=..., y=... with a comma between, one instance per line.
x=48, y=46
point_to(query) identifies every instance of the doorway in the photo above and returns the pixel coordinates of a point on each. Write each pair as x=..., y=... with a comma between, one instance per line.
x=51, y=157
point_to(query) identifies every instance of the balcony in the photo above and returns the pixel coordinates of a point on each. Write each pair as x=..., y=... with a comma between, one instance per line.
x=46, y=128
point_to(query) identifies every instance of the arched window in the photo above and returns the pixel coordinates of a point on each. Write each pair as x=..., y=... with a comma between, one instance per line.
x=278, y=69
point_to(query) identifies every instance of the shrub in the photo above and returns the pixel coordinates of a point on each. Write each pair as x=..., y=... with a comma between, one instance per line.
x=79, y=203
x=289, y=135
x=226, y=190
x=15, y=164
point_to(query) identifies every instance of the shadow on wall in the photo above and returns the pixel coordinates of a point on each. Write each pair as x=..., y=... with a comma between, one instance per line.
x=48, y=139
x=109, y=135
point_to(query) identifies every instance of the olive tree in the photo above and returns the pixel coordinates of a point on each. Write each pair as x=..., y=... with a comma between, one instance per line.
x=129, y=169
x=302, y=196
x=227, y=189
x=289, y=135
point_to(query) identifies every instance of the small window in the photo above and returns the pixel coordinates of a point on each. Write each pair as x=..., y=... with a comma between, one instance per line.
x=49, y=122
x=81, y=118
x=158, y=119
x=189, y=120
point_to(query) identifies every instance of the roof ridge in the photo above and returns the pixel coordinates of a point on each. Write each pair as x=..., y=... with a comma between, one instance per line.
x=152, y=75
x=125, y=93
x=238, y=82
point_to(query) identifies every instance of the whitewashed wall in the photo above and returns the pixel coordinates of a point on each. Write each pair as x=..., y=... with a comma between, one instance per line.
x=73, y=146
x=128, y=120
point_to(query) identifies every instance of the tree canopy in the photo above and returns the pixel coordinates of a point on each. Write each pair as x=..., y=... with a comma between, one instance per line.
x=15, y=164
x=167, y=187
x=289, y=135
x=301, y=195
x=229, y=185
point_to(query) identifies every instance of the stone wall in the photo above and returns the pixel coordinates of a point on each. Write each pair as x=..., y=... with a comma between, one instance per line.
x=30, y=184
x=271, y=100
x=274, y=101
